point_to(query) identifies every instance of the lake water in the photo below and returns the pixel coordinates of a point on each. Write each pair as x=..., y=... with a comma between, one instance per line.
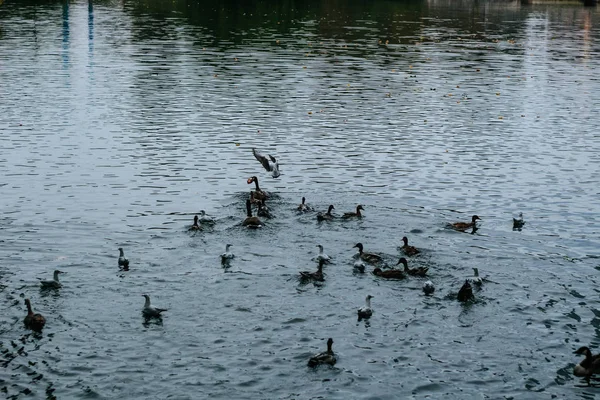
x=121, y=120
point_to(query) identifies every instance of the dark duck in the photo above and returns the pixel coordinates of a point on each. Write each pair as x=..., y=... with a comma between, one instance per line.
x=465, y=293
x=303, y=207
x=328, y=216
x=326, y=357
x=123, y=262
x=463, y=226
x=409, y=250
x=33, y=321
x=518, y=223
x=250, y=221
x=195, y=226
x=370, y=258
x=418, y=271
x=356, y=214
x=257, y=194
x=389, y=273
x=317, y=276
x=589, y=366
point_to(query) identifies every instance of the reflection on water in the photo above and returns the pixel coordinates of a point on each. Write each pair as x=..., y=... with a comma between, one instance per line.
x=121, y=120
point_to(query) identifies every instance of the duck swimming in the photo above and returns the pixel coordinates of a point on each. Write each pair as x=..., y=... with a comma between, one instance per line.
x=327, y=216
x=466, y=292
x=151, y=312
x=475, y=279
x=195, y=226
x=270, y=164
x=589, y=366
x=409, y=250
x=123, y=262
x=356, y=214
x=257, y=194
x=323, y=256
x=359, y=266
x=418, y=271
x=263, y=210
x=205, y=219
x=303, y=207
x=317, y=276
x=370, y=258
x=428, y=288
x=365, y=312
x=36, y=321
x=463, y=226
x=326, y=357
x=54, y=283
x=250, y=221
x=227, y=256
x=518, y=223
x=389, y=273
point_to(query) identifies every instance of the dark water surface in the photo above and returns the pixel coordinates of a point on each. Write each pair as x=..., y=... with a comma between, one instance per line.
x=121, y=120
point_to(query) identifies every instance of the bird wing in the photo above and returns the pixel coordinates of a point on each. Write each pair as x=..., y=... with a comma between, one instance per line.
x=262, y=159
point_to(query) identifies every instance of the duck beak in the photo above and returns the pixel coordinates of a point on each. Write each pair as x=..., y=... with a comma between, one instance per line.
x=249, y=180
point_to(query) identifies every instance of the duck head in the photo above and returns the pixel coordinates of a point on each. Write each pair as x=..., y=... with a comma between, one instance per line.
x=359, y=246
x=584, y=350
x=359, y=207
x=377, y=271
x=403, y=262
x=405, y=240
x=475, y=218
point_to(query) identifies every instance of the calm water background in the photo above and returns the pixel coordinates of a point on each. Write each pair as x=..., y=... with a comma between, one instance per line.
x=121, y=120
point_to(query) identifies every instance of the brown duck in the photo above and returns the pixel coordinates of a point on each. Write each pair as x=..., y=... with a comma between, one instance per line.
x=257, y=194
x=389, y=273
x=36, y=321
x=317, y=276
x=250, y=221
x=371, y=258
x=356, y=214
x=409, y=250
x=589, y=365
x=328, y=216
x=418, y=271
x=463, y=226
x=195, y=226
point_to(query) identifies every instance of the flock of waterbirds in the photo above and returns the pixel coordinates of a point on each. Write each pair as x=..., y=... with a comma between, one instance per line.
x=589, y=366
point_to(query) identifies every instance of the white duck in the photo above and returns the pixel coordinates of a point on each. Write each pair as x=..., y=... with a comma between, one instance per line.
x=322, y=256
x=269, y=163
x=227, y=256
x=150, y=311
x=123, y=262
x=475, y=279
x=365, y=312
x=52, y=284
x=428, y=287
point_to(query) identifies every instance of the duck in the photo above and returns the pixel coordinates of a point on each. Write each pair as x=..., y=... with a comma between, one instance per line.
x=263, y=210
x=589, y=365
x=428, y=288
x=195, y=226
x=317, y=276
x=475, y=279
x=52, y=284
x=257, y=194
x=303, y=207
x=518, y=223
x=389, y=273
x=227, y=256
x=466, y=292
x=36, y=321
x=356, y=214
x=418, y=271
x=323, y=256
x=370, y=258
x=270, y=163
x=409, y=250
x=250, y=221
x=359, y=266
x=149, y=311
x=463, y=226
x=327, y=216
x=206, y=219
x=326, y=357
x=123, y=262
x=365, y=312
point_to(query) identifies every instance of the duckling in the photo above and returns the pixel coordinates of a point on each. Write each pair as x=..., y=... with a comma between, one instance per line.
x=409, y=250
x=195, y=226
x=317, y=276
x=418, y=271
x=206, y=219
x=257, y=194
x=54, y=283
x=270, y=164
x=588, y=366
x=356, y=214
x=327, y=216
x=463, y=226
x=123, y=262
x=359, y=266
x=303, y=207
x=36, y=321
x=475, y=279
x=323, y=256
x=227, y=256
x=250, y=221
x=518, y=223
x=263, y=210
x=326, y=357
x=149, y=312
x=428, y=288
x=389, y=273
x=466, y=292
x=370, y=258
x=365, y=312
